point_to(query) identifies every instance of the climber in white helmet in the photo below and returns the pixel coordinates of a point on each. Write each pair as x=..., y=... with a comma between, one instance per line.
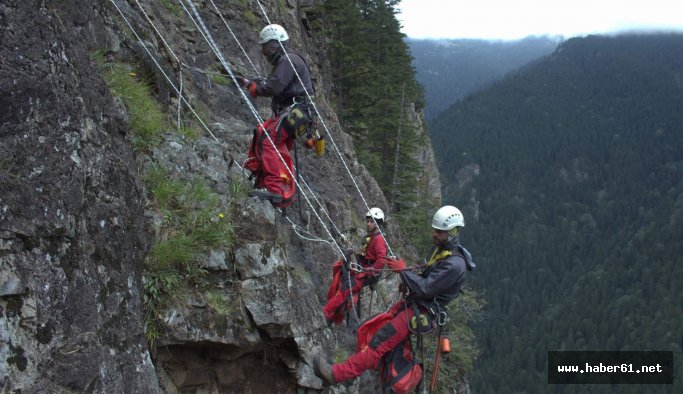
x=371, y=259
x=289, y=86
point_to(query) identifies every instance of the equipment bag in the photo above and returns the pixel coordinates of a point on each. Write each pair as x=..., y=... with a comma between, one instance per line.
x=297, y=122
x=468, y=258
x=335, y=284
x=367, y=330
x=401, y=372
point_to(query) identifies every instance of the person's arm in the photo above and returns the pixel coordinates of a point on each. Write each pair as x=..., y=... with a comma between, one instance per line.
x=277, y=82
x=439, y=280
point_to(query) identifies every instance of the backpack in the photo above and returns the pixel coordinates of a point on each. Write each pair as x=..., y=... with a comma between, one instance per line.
x=367, y=330
x=469, y=263
x=401, y=372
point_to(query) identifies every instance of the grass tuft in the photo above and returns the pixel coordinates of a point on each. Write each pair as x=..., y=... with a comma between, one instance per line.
x=173, y=253
x=172, y=7
x=220, y=80
x=218, y=302
x=194, y=221
x=190, y=132
x=146, y=117
x=158, y=287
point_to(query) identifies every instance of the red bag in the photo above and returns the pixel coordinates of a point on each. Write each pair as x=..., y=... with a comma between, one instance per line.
x=270, y=161
x=401, y=372
x=336, y=279
x=366, y=331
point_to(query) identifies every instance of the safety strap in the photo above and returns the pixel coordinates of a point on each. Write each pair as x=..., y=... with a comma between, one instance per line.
x=437, y=255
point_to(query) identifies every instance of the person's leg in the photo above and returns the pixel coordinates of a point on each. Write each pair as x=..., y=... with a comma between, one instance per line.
x=384, y=340
x=335, y=309
x=276, y=165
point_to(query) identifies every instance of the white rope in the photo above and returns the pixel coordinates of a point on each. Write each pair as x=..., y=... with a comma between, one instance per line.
x=324, y=210
x=157, y=31
x=180, y=91
x=322, y=121
x=235, y=37
x=394, y=182
x=297, y=228
x=180, y=64
x=259, y=75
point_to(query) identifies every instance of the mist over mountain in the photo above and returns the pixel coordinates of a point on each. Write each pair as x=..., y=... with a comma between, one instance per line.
x=572, y=174
x=451, y=69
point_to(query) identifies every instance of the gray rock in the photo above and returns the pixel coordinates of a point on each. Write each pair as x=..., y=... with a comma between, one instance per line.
x=255, y=260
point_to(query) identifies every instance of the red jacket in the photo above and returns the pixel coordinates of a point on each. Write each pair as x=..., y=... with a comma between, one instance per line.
x=375, y=251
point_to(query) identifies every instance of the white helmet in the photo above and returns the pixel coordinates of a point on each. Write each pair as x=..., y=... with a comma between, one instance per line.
x=272, y=32
x=447, y=218
x=376, y=214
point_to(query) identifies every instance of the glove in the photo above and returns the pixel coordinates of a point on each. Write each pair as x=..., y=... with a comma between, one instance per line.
x=251, y=87
x=243, y=82
x=396, y=265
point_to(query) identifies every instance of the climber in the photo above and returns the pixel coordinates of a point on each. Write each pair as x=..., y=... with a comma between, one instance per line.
x=373, y=255
x=428, y=294
x=291, y=118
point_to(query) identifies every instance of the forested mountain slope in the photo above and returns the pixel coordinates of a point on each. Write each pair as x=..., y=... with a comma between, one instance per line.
x=451, y=69
x=573, y=170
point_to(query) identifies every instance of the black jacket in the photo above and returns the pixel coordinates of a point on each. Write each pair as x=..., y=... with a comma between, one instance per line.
x=283, y=85
x=441, y=281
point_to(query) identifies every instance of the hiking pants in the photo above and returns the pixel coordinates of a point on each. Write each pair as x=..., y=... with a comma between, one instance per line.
x=335, y=309
x=266, y=160
x=384, y=340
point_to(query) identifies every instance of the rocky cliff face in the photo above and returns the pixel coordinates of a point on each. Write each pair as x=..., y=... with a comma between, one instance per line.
x=72, y=236
x=77, y=222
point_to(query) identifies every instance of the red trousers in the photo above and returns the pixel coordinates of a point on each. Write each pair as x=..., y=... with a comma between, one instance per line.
x=263, y=160
x=385, y=339
x=335, y=309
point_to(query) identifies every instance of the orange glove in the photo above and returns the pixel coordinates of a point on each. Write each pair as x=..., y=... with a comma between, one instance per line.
x=251, y=87
x=396, y=265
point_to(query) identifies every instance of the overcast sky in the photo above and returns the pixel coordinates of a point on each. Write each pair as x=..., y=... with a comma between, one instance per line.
x=513, y=19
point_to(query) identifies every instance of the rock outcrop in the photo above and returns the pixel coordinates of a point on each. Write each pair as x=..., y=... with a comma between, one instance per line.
x=72, y=229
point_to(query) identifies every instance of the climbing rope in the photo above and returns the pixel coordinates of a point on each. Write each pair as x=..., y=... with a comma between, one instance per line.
x=180, y=64
x=220, y=14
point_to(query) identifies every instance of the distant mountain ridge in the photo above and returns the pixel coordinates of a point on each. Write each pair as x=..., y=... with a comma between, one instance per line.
x=451, y=69
x=572, y=171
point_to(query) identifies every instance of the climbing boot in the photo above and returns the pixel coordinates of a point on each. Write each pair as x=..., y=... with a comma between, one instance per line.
x=323, y=370
x=264, y=194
